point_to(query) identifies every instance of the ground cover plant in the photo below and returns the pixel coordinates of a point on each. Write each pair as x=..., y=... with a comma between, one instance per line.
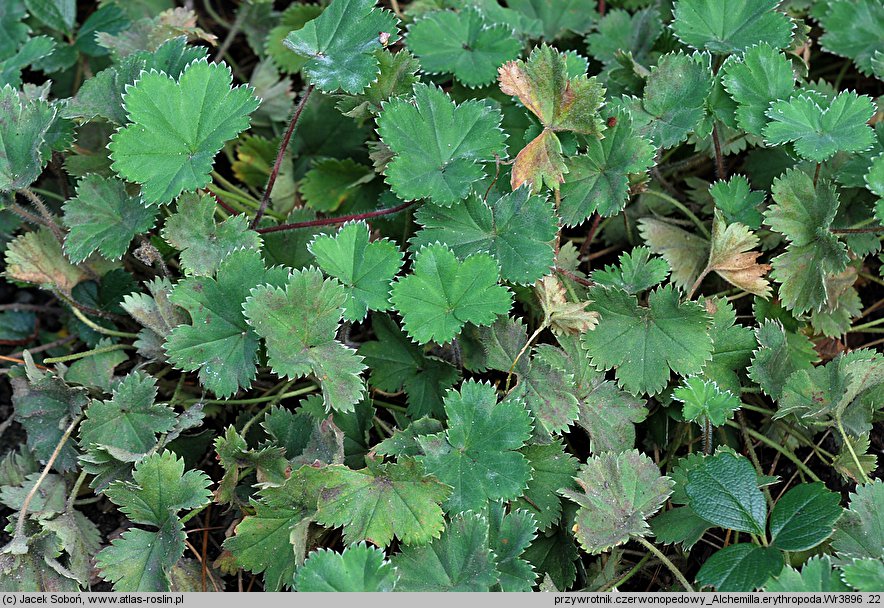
x=441, y=295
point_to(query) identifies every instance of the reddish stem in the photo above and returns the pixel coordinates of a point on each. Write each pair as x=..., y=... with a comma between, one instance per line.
x=587, y=243
x=330, y=221
x=284, y=144
x=719, y=159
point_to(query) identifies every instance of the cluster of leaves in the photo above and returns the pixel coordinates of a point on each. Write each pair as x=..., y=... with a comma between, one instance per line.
x=365, y=337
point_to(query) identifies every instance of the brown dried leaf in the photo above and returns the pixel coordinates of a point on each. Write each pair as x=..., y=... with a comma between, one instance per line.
x=732, y=257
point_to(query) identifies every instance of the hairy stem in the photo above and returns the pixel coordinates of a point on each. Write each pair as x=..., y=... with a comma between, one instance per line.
x=675, y=571
x=853, y=455
x=98, y=328
x=277, y=164
x=681, y=207
x=19, y=543
x=88, y=353
x=330, y=221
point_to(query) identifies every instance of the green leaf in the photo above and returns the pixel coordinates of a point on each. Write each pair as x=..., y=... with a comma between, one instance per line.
x=157, y=315
x=58, y=15
x=679, y=525
x=599, y=180
x=339, y=44
x=23, y=129
x=703, y=400
x=551, y=470
x=45, y=406
x=102, y=95
x=731, y=26
x=732, y=345
x=804, y=212
x=298, y=323
x=104, y=217
x=554, y=555
x=359, y=568
x=332, y=183
x=140, y=560
x=860, y=533
x=130, y=421
x=817, y=575
x=459, y=560
x=804, y=517
x=866, y=575
x=723, y=490
x=822, y=395
x=672, y=334
x=547, y=390
x=761, y=76
x=80, y=539
x=620, y=491
x=509, y=534
x=439, y=148
x=381, y=501
x=819, y=133
x=33, y=50
x=853, y=29
x=203, y=243
x=272, y=541
x=13, y=30
x=686, y=252
x=443, y=294
x=397, y=78
x=477, y=454
x=463, y=44
x=366, y=269
x=517, y=229
x=560, y=102
x=177, y=128
x=620, y=31
x=218, y=342
x=674, y=99
x=742, y=567
x=737, y=202
x=397, y=363
x=779, y=355
x=605, y=412
x=294, y=17
x=637, y=272
x=557, y=18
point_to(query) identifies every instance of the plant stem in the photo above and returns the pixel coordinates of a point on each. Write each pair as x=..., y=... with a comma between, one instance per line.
x=96, y=327
x=69, y=505
x=19, y=544
x=295, y=393
x=816, y=174
x=528, y=344
x=681, y=207
x=720, y=171
x=859, y=328
x=697, y=283
x=776, y=446
x=232, y=32
x=872, y=230
x=330, y=221
x=88, y=353
x=277, y=164
x=850, y=449
x=628, y=575
x=44, y=213
x=659, y=555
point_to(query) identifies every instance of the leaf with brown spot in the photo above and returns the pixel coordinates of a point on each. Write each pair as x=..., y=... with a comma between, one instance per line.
x=561, y=103
x=733, y=258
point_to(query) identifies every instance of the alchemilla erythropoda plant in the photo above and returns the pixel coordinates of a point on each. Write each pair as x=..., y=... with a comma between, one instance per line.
x=441, y=295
